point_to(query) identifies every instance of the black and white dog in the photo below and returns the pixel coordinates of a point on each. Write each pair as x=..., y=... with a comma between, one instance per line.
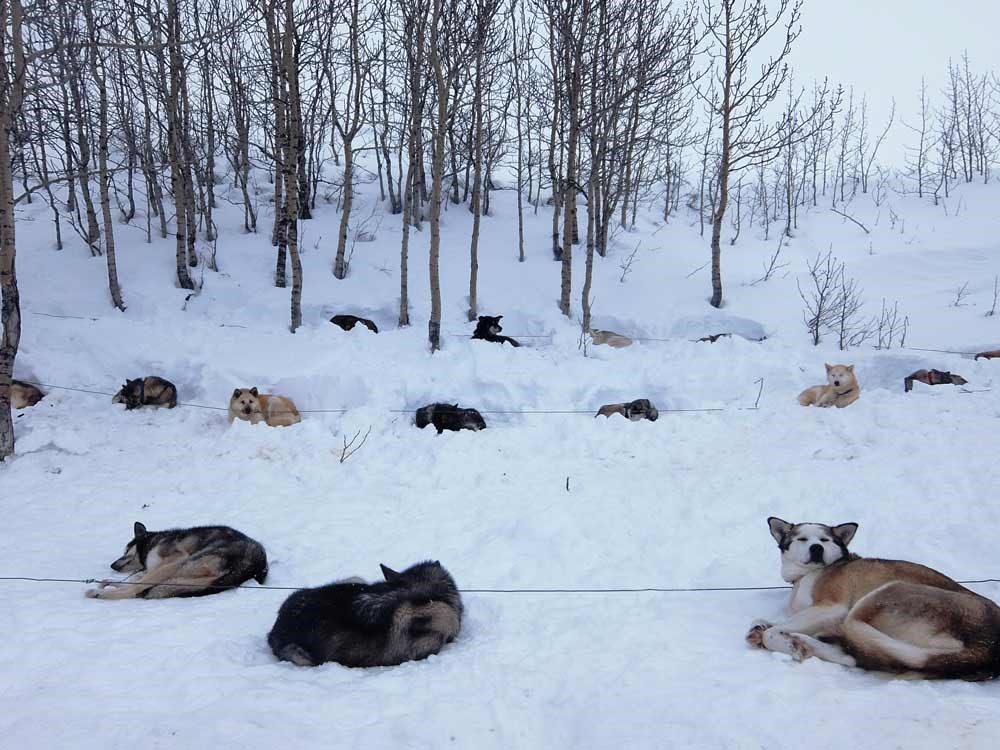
x=409, y=616
x=488, y=329
x=449, y=417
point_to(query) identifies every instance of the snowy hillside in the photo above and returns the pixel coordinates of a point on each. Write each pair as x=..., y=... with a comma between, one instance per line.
x=538, y=500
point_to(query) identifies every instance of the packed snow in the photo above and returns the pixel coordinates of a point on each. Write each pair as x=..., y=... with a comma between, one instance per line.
x=538, y=500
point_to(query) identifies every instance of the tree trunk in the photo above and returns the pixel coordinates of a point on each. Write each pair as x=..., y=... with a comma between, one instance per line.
x=340, y=265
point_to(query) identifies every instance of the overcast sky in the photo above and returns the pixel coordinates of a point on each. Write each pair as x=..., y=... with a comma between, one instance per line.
x=882, y=47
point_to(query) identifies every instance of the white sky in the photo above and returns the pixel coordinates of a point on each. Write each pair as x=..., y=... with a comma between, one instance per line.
x=883, y=47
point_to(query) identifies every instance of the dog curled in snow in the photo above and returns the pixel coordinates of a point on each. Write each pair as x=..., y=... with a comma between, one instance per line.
x=488, y=329
x=993, y=354
x=410, y=616
x=449, y=417
x=883, y=615
x=147, y=391
x=347, y=322
x=253, y=407
x=841, y=390
x=612, y=339
x=184, y=562
x=932, y=377
x=24, y=394
x=634, y=411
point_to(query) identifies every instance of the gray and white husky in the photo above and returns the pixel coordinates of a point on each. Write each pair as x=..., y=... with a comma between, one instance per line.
x=885, y=615
x=409, y=616
x=198, y=561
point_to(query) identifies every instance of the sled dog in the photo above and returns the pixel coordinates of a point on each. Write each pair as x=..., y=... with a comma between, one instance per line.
x=992, y=354
x=347, y=322
x=147, y=391
x=841, y=390
x=636, y=410
x=932, y=377
x=24, y=394
x=488, y=329
x=884, y=615
x=449, y=417
x=612, y=339
x=184, y=562
x=410, y=616
x=253, y=407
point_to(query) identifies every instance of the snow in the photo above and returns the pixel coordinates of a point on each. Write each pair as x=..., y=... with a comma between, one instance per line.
x=681, y=502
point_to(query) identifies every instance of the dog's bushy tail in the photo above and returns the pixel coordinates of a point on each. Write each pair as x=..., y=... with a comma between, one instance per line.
x=294, y=653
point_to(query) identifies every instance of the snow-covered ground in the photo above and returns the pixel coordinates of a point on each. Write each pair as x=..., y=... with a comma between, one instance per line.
x=535, y=501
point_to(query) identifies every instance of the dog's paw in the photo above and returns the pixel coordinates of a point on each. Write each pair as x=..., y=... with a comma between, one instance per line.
x=92, y=593
x=755, y=636
x=798, y=649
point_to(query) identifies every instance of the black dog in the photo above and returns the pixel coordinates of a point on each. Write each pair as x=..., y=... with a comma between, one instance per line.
x=147, y=391
x=635, y=411
x=488, y=329
x=410, y=616
x=347, y=322
x=449, y=417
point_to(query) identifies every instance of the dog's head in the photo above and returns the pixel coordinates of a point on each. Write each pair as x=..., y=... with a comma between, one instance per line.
x=473, y=420
x=130, y=394
x=245, y=402
x=489, y=324
x=806, y=547
x=131, y=560
x=841, y=376
x=425, y=583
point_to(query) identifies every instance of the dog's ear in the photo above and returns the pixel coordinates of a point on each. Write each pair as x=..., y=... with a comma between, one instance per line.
x=845, y=532
x=389, y=574
x=253, y=391
x=237, y=392
x=828, y=366
x=139, y=529
x=850, y=368
x=779, y=529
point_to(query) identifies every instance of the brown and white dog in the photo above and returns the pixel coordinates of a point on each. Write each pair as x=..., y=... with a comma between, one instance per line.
x=932, y=377
x=612, y=339
x=992, y=354
x=24, y=394
x=253, y=407
x=884, y=615
x=841, y=390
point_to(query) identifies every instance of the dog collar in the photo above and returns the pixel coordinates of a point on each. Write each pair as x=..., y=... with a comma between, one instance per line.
x=845, y=392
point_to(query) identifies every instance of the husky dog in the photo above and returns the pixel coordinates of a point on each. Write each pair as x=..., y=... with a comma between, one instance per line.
x=184, y=562
x=24, y=394
x=449, y=417
x=932, y=377
x=993, y=354
x=612, y=339
x=488, y=329
x=410, y=616
x=253, y=407
x=885, y=615
x=636, y=410
x=841, y=390
x=147, y=391
x=347, y=322
x=713, y=337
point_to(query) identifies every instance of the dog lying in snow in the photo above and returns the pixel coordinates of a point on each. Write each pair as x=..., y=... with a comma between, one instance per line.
x=410, y=616
x=635, y=411
x=488, y=329
x=347, y=322
x=885, y=615
x=841, y=390
x=932, y=377
x=147, y=391
x=253, y=407
x=993, y=354
x=184, y=562
x=612, y=339
x=449, y=417
x=24, y=394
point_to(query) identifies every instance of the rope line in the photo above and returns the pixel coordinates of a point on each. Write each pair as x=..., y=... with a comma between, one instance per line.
x=621, y=590
x=755, y=407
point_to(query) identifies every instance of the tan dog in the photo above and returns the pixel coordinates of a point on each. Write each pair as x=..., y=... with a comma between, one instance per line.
x=884, y=615
x=841, y=390
x=993, y=354
x=612, y=339
x=253, y=407
x=24, y=394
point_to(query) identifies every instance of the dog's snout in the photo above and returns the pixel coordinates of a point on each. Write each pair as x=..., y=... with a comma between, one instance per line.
x=816, y=553
x=836, y=383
